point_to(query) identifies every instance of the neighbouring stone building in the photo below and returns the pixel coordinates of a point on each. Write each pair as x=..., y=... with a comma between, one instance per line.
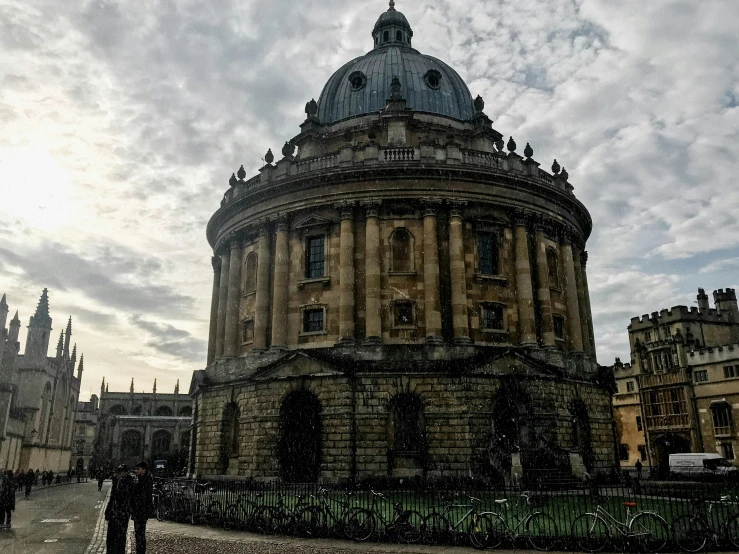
x=399, y=296
x=134, y=426
x=681, y=390
x=85, y=429
x=38, y=393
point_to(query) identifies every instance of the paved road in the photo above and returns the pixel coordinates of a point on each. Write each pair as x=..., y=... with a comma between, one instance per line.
x=66, y=515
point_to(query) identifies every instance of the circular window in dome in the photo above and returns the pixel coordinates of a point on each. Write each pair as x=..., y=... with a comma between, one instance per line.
x=433, y=79
x=357, y=80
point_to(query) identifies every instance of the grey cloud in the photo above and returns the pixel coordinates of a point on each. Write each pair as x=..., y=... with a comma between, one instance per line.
x=170, y=340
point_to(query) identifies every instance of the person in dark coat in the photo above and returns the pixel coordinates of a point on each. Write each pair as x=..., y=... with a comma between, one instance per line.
x=142, y=504
x=7, y=499
x=118, y=511
x=30, y=477
x=101, y=478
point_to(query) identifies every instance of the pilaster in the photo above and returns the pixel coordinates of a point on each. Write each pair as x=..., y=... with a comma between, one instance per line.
x=281, y=282
x=431, y=271
x=222, y=303
x=346, y=274
x=574, y=326
x=524, y=289
x=372, y=273
x=261, y=303
x=230, y=348
x=458, y=275
x=213, y=330
x=544, y=294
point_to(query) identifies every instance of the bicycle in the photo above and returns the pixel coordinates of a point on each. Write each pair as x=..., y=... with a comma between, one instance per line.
x=240, y=513
x=438, y=529
x=281, y=518
x=539, y=529
x=322, y=519
x=592, y=531
x=692, y=531
x=406, y=525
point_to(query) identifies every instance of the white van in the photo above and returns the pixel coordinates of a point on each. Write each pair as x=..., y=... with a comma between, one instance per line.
x=702, y=466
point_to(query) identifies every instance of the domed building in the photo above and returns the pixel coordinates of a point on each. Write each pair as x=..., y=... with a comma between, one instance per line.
x=400, y=295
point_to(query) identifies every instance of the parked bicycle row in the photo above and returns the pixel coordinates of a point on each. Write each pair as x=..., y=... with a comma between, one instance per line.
x=485, y=520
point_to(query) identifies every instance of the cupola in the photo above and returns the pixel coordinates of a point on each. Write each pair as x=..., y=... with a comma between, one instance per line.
x=392, y=29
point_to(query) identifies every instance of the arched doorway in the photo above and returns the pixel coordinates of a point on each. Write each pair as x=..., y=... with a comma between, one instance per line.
x=509, y=435
x=581, y=433
x=132, y=444
x=299, y=440
x=161, y=443
x=665, y=445
x=407, y=447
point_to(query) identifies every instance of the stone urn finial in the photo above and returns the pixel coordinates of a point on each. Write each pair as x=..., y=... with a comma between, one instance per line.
x=241, y=174
x=269, y=157
x=395, y=89
x=511, y=145
x=479, y=104
x=564, y=174
x=555, y=167
x=288, y=149
x=311, y=109
x=500, y=144
x=232, y=181
x=528, y=151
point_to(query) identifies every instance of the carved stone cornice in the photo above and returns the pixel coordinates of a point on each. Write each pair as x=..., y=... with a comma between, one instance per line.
x=371, y=207
x=456, y=207
x=430, y=206
x=281, y=223
x=345, y=209
x=521, y=217
x=263, y=227
x=234, y=242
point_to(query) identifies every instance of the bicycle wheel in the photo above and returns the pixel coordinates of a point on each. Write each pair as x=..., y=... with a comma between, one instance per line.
x=307, y=521
x=590, y=532
x=436, y=529
x=649, y=532
x=487, y=530
x=214, y=513
x=263, y=519
x=690, y=533
x=409, y=527
x=542, y=532
x=732, y=531
x=163, y=508
x=360, y=525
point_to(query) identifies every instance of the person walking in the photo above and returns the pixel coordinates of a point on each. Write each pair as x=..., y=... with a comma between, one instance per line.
x=142, y=504
x=29, y=477
x=7, y=499
x=638, y=467
x=118, y=511
x=101, y=478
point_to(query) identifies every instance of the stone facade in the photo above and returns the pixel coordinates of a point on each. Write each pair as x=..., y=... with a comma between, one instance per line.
x=38, y=393
x=85, y=429
x=135, y=426
x=395, y=290
x=682, y=382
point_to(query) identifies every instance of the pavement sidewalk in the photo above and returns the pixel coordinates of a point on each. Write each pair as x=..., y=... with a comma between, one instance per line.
x=166, y=537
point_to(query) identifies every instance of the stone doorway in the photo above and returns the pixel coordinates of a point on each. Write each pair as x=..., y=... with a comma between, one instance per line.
x=665, y=445
x=299, y=441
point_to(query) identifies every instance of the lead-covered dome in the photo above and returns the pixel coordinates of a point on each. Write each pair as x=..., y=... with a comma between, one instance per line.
x=362, y=86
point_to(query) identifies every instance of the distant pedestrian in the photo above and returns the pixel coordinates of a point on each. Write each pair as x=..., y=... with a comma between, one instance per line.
x=118, y=511
x=638, y=467
x=29, y=479
x=7, y=499
x=142, y=504
x=35, y=478
x=19, y=479
x=101, y=478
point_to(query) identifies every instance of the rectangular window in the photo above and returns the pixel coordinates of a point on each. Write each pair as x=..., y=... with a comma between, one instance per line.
x=700, y=376
x=247, y=331
x=559, y=327
x=727, y=449
x=629, y=386
x=639, y=426
x=487, y=248
x=553, y=268
x=313, y=321
x=314, y=257
x=648, y=337
x=722, y=420
x=403, y=313
x=729, y=371
x=642, y=448
x=623, y=452
x=492, y=316
x=667, y=408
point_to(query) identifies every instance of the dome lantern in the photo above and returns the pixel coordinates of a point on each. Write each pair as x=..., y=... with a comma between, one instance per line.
x=392, y=29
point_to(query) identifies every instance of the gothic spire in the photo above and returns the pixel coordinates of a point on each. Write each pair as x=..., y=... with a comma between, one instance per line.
x=3, y=312
x=60, y=345
x=81, y=367
x=3, y=302
x=74, y=354
x=42, y=318
x=155, y=385
x=67, y=337
x=102, y=386
x=131, y=385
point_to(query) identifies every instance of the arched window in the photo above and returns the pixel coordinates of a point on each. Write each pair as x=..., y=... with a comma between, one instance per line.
x=45, y=403
x=553, y=268
x=299, y=439
x=581, y=434
x=186, y=411
x=509, y=432
x=401, y=245
x=131, y=444
x=230, y=431
x=118, y=410
x=250, y=273
x=161, y=442
x=385, y=36
x=407, y=432
x=164, y=411
x=487, y=254
x=399, y=36
x=138, y=410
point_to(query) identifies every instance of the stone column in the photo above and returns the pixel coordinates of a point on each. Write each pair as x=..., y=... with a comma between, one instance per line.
x=233, y=303
x=213, y=331
x=431, y=272
x=581, y=301
x=545, y=298
x=281, y=281
x=570, y=287
x=458, y=276
x=524, y=290
x=346, y=274
x=372, y=274
x=222, y=303
x=261, y=302
x=588, y=311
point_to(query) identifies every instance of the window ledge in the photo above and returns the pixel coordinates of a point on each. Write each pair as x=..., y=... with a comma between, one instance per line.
x=247, y=343
x=405, y=327
x=496, y=279
x=556, y=289
x=401, y=273
x=250, y=293
x=325, y=280
x=496, y=331
x=313, y=333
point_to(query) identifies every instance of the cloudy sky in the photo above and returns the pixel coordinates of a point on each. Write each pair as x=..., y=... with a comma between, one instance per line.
x=121, y=122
